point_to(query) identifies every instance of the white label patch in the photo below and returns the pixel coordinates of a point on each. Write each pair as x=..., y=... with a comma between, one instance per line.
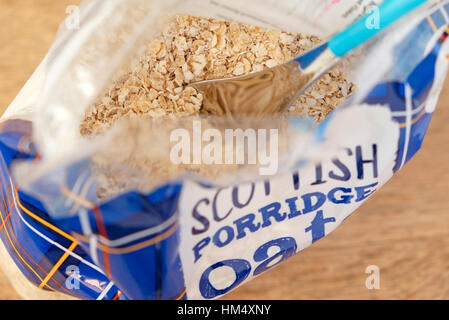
x=229, y=235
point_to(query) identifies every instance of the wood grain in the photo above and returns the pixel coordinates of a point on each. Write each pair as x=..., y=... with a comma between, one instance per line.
x=403, y=229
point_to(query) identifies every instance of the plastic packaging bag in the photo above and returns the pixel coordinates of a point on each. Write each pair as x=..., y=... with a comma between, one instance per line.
x=193, y=237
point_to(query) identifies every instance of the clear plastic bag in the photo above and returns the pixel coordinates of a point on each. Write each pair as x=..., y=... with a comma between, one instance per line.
x=193, y=236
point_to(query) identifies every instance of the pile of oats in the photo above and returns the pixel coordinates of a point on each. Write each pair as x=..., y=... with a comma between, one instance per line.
x=192, y=49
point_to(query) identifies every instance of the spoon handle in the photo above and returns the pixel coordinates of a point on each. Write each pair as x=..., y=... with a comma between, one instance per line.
x=362, y=30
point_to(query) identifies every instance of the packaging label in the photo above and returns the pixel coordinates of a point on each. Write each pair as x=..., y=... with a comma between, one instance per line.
x=229, y=235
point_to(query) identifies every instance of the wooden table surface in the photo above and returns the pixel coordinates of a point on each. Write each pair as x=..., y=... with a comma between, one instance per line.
x=403, y=229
